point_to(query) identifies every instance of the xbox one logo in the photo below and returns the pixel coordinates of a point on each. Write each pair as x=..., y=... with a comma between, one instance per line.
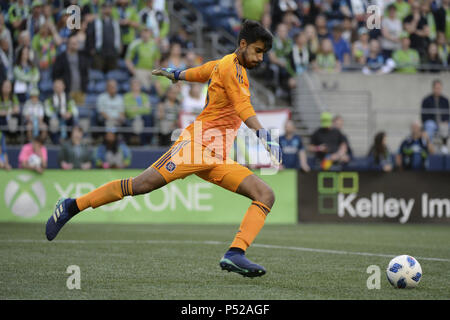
x=330, y=184
x=25, y=196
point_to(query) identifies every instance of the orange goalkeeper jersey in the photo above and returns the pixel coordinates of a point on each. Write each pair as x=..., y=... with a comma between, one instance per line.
x=227, y=104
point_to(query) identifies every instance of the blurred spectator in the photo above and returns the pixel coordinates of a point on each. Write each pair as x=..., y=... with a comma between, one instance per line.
x=348, y=29
x=167, y=116
x=90, y=9
x=81, y=37
x=406, y=59
x=110, y=108
x=112, y=153
x=4, y=162
x=72, y=67
x=417, y=26
x=193, y=97
x=47, y=12
x=6, y=59
x=162, y=84
x=9, y=107
x=33, y=155
x=328, y=144
x=128, y=20
x=156, y=19
x=24, y=40
x=443, y=48
x=442, y=18
x=294, y=154
x=103, y=40
x=425, y=9
x=176, y=59
x=338, y=123
x=403, y=9
x=415, y=149
x=379, y=153
x=192, y=59
x=183, y=38
x=376, y=62
x=63, y=31
x=61, y=112
x=300, y=57
x=360, y=48
x=17, y=16
x=36, y=19
x=45, y=45
x=142, y=57
x=282, y=7
x=340, y=46
x=326, y=61
x=252, y=9
x=293, y=24
x=33, y=113
x=312, y=40
x=435, y=114
x=138, y=111
x=391, y=29
x=5, y=35
x=74, y=154
x=26, y=75
x=279, y=58
x=432, y=62
x=335, y=10
x=321, y=27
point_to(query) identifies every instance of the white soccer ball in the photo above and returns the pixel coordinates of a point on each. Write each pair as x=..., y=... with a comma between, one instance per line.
x=34, y=161
x=404, y=272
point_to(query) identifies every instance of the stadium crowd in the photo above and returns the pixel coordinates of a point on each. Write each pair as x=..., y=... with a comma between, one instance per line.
x=56, y=70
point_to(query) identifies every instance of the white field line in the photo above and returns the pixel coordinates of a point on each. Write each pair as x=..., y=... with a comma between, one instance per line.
x=257, y=245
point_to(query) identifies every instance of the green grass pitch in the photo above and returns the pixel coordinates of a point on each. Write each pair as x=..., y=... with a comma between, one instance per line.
x=308, y=261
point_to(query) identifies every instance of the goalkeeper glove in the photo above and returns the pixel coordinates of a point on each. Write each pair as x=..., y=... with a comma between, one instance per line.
x=170, y=73
x=271, y=146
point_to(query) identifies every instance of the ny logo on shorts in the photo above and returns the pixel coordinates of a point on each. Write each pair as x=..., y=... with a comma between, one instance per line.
x=170, y=166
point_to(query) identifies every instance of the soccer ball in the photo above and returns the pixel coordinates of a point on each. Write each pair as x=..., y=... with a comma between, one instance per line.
x=404, y=272
x=34, y=161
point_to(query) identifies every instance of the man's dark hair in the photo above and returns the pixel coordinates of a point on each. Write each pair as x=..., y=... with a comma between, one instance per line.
x=253, y=31
x=435, y=81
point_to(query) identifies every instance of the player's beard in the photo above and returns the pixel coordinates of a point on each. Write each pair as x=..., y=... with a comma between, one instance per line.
x=247, y=65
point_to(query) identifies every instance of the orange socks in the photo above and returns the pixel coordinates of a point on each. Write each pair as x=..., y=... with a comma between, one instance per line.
x=109, y=192
x=251, y=225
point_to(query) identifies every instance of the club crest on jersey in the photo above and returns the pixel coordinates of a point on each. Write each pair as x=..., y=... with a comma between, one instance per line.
x=170, y=166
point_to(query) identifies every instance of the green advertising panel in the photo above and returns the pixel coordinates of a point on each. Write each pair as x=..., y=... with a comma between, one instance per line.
x=29, y=197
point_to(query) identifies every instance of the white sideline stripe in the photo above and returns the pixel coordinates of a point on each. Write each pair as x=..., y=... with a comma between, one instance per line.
x=258, y=245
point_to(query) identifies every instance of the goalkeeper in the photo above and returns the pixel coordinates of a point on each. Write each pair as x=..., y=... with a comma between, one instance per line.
x=202, y=149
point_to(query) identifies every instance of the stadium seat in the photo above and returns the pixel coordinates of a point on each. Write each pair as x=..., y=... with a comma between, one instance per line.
x=96, y=75
x=122, y=66
x=447, y=162
x=436, y=162
x=124, y=87
x=91, y=87
x=100, y=87
x=91, y=100
x=202, y=3
x=118, y=75
x=84, y=112
x=46, y=85
x=358, y=164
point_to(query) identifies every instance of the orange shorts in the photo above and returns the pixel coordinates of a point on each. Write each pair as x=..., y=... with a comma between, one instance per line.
x=186, y=157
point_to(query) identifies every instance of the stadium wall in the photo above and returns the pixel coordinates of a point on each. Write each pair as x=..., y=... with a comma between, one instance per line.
x=395, y=100
x=397, y=197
